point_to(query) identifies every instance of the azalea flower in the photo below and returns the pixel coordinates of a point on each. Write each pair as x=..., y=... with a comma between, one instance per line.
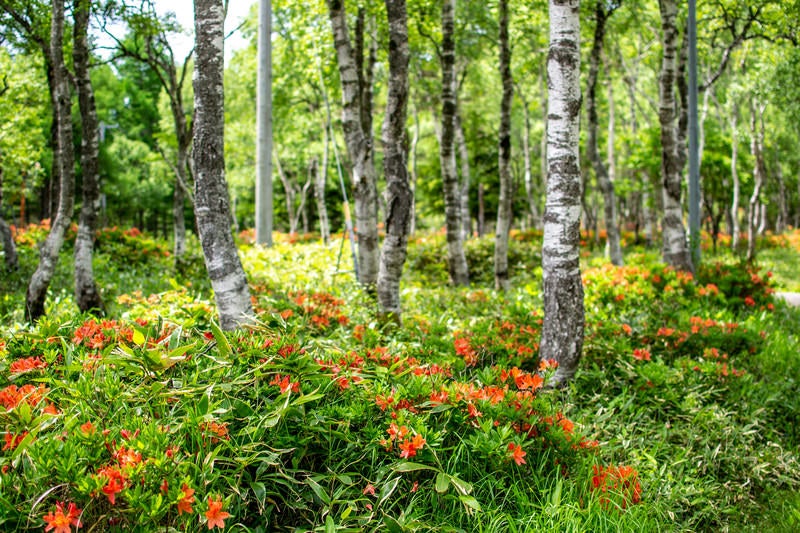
x=215, y=515
x=186, y=501
x=60, y=522
x=28, y=364
x=517, y=454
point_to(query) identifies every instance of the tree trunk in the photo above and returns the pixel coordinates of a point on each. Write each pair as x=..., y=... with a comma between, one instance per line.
x=212, y=209
x=675, y=248
x=264, y=207
x=501, y=281
x=289, y=193
x=64, y=160
x=9, y=249
x=481, y=210
x=320, y=179
x=530, y=192
x=398, y=191
x=301, y=213
x=759, y=175
x=86, y=294
x=359, y=147
x=783, y=208
x=604, y=181
x=734, y=229
x=413, y=172
x=463, y=156
x=457, y=261
x=562, y=331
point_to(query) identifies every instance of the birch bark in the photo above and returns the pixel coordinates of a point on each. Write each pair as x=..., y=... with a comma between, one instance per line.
x=359, y=147
x=463, y=157
x=675, y=249
x=87, y=295
x=734, y=229
x=562, y=331
x=398, y=190
x=759, y=175
x=501, y=281
x=457, y=261
x=64, y=160
x=9, y=249
x=592, y=143
x=212, y=209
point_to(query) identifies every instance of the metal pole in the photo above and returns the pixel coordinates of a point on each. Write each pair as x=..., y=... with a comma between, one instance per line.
x=694, y=155
x=264, y=125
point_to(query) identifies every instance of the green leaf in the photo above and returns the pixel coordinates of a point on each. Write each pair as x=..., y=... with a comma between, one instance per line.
x=392, y=525
x=330, y=526
x=388, y=489
x=223, y=345
x=138, y=337
x=412, y=467
x=319, y=491
x=308, y=398
x=461, y=486
x=442, y=482
x=470, y=502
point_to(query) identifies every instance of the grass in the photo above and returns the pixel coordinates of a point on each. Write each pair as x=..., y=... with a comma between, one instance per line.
x=684, y=415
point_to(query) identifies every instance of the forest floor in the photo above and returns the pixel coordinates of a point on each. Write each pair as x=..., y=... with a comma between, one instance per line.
x=684, y=415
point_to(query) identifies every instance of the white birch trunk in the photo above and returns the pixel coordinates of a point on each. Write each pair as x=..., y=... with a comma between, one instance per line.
x=212, y=208
x=675, y=248
x=734, y=229
x=413, y=171
x=457, y=261
x=759, y=176
x=501, y=278
x=6, y=238
x=87, y=296
x=463, y=156
x=359, y=147
x=562, y=332
x=398, y=191
x=604, y=181
x=64, y=161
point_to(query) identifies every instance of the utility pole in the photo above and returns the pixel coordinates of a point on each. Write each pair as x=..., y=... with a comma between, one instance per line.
x=264, y=126
x=694, y=155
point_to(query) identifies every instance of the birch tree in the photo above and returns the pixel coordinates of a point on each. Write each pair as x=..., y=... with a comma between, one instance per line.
x=457, y=260
x=398, y=190
x=759, y=174
x=562, y=331
x=212, y=209
x=150, y=46
x=359, y=147
x=675, y=249
x=504, y=214
x=64, y=161
x=6, y=238
x=87, y=296
x=603, y=10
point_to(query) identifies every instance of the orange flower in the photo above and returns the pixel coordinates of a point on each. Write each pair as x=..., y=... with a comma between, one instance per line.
x=28, y=364
x=409, y=448
x=285, y=384
x=215, y=515
x=60, y=522
x=186, y=501
x=12, y=441
x=88, y=428
x=516, y=453
x=641, y=354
